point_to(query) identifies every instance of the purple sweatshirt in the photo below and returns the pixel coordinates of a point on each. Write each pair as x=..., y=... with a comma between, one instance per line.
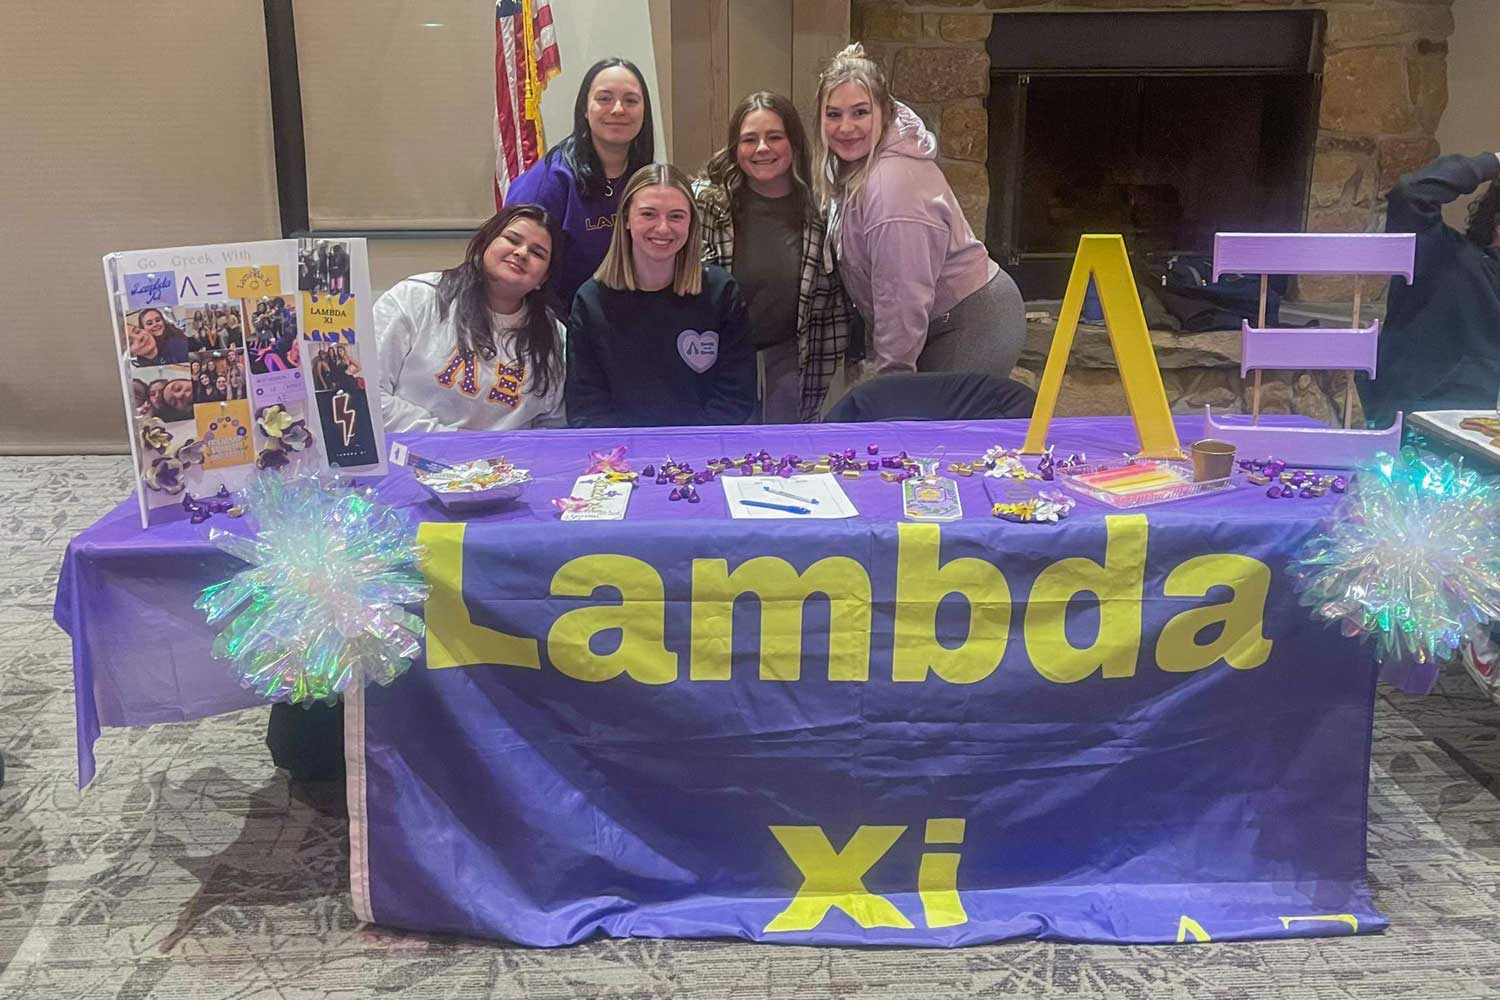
x=906, y=252
x=586, y=222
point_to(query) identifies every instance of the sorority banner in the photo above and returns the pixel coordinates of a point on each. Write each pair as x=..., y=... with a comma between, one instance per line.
x=1117, y=729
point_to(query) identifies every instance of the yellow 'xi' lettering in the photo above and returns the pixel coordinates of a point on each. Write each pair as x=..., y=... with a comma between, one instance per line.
x=836, y=878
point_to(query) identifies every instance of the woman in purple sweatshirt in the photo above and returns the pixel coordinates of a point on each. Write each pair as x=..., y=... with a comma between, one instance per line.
x=580, y=180
x=931, y=297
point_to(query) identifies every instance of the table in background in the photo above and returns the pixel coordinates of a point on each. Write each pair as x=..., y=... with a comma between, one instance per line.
x=1442, y=428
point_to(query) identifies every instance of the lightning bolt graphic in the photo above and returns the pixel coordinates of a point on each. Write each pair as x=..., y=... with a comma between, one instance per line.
x=344, y=415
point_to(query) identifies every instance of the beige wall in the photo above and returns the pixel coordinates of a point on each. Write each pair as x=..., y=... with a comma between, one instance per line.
x=722, y=50
x=147, y=123
x=1471, y=124
x=137, y=124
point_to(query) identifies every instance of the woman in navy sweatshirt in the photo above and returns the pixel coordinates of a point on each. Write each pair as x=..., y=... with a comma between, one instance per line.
x=656, y=337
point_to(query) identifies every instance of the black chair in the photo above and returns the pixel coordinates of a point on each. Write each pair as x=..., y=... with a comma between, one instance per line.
x=935, y=396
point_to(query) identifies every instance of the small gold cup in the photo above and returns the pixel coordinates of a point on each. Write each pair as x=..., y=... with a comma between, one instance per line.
x=1212, y=460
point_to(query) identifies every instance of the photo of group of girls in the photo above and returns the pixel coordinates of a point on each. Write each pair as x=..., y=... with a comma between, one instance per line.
x=214, y=326
x=335, y=366
x=323, y=267
x=218, y=376
x=164, y=392
x=273, y=333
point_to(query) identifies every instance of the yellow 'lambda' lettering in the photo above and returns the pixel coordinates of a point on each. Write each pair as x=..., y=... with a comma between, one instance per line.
x=1241, y=642
x=1118, y=583
x=453, y=640
x=922, y=581
x=782, y=592
x=640, y=616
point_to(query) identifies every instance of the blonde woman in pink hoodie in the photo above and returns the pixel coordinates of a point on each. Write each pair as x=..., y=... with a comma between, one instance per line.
x=931, y=297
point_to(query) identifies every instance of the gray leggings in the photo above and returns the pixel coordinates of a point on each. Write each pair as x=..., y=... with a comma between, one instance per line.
x=983, y=333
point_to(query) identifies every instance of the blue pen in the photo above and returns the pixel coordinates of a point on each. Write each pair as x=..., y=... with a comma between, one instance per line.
x=776, y=506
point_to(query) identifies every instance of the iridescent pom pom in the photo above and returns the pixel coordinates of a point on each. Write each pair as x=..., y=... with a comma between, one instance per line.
x=320, y=606
x=1410, y=558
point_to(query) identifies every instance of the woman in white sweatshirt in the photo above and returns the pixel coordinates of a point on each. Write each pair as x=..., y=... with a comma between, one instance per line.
x=477, y=347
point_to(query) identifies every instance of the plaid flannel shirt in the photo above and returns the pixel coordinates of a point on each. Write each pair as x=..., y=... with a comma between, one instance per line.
x=824, y=313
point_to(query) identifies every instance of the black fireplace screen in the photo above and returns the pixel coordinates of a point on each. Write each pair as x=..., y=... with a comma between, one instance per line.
x=1166, y=142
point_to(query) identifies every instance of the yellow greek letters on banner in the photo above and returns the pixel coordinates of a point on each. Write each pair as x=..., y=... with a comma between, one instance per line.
x=937, y=877
x=1241, y=642
x=923, y=581
x=782, y=593
x=836, y=878
x=640, y=616
x=1187, y=925
x=453, y=640
x=1104, y=258
x=1118, y=583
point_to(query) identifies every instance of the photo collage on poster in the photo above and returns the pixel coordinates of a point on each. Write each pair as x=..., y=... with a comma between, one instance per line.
x=219, y=352
x=188, y=385
x=278, y=386
x=333, y=353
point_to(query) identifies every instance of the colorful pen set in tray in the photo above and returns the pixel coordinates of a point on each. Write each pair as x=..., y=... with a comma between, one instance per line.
x=1139, y=482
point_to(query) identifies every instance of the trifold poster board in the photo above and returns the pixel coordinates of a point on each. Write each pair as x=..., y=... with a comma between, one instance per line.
x=241, y=357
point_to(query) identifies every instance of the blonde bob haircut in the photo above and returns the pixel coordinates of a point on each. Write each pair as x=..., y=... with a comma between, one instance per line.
x=834, y=180
x=618, y=269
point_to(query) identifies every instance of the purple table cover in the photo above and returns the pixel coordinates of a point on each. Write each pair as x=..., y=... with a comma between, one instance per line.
x=1151, y=799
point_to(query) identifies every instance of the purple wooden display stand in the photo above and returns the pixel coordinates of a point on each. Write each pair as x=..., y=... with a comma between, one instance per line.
x=1318, y=349
x=1313, y=350
x=1315, y=447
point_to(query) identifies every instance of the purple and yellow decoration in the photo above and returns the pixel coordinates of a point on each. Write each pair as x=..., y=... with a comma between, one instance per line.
x=321, y=606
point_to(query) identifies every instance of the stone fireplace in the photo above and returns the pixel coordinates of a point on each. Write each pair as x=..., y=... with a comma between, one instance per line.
x=1378, y=88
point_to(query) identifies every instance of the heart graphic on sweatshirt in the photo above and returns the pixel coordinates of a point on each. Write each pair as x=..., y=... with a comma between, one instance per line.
x=699, y=350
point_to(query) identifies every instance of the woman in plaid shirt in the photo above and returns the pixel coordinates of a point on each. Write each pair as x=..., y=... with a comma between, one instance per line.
x=761, y=222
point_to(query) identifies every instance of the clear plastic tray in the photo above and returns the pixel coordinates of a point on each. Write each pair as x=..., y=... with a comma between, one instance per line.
x=1183, y=489
x=463, y=497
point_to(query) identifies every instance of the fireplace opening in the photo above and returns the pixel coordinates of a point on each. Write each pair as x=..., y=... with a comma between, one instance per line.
x=1164, y=127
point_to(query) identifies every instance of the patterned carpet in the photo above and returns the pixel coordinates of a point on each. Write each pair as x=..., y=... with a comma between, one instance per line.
x=191, y=870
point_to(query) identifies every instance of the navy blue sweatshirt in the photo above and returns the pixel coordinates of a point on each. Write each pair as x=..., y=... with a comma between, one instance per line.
x=651, y=359
x=1440, y=343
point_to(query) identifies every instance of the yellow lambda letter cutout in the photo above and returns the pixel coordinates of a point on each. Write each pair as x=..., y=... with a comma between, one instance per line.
x=1104, y=258
x=836, y=878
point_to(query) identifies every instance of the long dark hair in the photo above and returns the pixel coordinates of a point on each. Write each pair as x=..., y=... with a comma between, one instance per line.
x=577, y=150
x=461, y=289
x=1484, y=217
x=723, y=173
x=168, y=326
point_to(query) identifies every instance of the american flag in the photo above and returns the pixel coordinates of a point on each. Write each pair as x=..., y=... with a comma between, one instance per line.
x=525, y=59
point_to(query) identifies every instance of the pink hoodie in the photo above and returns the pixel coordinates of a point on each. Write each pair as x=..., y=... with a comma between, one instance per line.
x=906, y=252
